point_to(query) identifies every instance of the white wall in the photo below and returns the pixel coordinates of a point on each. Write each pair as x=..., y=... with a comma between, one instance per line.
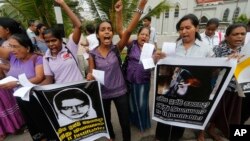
x=167, y=25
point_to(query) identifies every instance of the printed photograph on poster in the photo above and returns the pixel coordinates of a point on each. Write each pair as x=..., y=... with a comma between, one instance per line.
x=75, y=110
x=187, y=90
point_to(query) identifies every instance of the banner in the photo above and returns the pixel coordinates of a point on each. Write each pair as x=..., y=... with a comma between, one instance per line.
x=75, y=110
x=187, y=90
x=242, y=72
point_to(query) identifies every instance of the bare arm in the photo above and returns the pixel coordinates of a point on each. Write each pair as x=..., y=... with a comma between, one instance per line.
x=5, y=53
x=5, y=67
x=39, y=75
x=74, y=19
x=119, y=19
x=49, y=79
x=131, y=26
x=91, y=67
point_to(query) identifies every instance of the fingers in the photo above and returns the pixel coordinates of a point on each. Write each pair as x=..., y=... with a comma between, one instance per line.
x=118, y=5
x=90, y=76
x=160, y=55
x=237, y=56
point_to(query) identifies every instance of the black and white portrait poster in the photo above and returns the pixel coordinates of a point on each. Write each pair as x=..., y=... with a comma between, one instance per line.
x=187, y=90
x=75, y=110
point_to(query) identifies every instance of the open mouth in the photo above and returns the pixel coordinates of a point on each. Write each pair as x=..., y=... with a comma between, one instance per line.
x=107, y=39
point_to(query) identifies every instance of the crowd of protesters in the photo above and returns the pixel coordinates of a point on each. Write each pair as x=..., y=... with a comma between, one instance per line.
x=41, y=54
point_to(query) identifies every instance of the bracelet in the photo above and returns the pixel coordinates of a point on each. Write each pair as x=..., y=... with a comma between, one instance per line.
x=139, y=11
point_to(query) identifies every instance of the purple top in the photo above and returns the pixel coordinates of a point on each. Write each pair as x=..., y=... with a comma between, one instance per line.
x=114, y=84
x=135, y=71
x=18, y=67
x=63, y=67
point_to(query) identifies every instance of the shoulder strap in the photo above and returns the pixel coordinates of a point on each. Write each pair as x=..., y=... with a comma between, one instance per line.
x=130, y=47
x=70, y=53
x=118, y=55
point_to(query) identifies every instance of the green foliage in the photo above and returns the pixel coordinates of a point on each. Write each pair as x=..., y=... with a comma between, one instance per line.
x=104, y=9
x=42, y=10
x=242, y=19
x=156, y=12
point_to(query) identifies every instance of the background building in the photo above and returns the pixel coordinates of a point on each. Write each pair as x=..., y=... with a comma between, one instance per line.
x=225, y=10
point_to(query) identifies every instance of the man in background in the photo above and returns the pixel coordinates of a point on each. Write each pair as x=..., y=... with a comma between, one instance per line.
x=32, y=29
x=147, y=23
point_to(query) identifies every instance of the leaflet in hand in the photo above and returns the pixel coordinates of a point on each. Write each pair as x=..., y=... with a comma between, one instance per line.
x=99, y=75
x=168, y=48
x=24, y=91
x=8, y=79
x=146, y=54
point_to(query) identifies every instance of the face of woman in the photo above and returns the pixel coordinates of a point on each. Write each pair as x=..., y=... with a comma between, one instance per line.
x=143, y=36
x=187, y=31
x=210, y=29
x=54, y=44
x=42, y=29
x=17, y=49
x=105, y=33
x=3, y=32
x=237, y=37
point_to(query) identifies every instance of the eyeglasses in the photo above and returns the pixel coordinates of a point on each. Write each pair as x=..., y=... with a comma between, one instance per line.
x=15, y=46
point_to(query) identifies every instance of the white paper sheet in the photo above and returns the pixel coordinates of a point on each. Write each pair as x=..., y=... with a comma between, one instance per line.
x=85, y=55
x=148, y=63
x=24, y=81
x=147, y=51
x=8, y=79
x=169, y=48
x=99, y=75
x=23, y=92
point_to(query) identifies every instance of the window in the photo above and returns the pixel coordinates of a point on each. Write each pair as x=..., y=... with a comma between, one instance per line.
x=167, y=14
x=176, y=11
x=236, y=13
x=203, y=19
x=225, y=15
x=149, y=9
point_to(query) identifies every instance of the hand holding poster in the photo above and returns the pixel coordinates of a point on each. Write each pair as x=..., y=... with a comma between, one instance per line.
x=74, y=110
x=242, y=71
x=187, y=90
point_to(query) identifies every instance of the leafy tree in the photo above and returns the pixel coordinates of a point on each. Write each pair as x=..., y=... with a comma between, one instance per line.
x=104, y=9
x=42, y=10
x=242, y=19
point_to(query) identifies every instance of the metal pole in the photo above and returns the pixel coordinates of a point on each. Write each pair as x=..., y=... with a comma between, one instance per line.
x=59, y=18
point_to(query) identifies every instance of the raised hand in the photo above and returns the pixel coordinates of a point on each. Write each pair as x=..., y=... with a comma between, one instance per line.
x=60, y=1
x=142, y=4
x=118, y=6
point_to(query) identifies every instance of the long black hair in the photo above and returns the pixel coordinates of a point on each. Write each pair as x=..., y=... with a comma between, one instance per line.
x=98, y=28
x=24, y=40
x=12, y=25
x=194, y=20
